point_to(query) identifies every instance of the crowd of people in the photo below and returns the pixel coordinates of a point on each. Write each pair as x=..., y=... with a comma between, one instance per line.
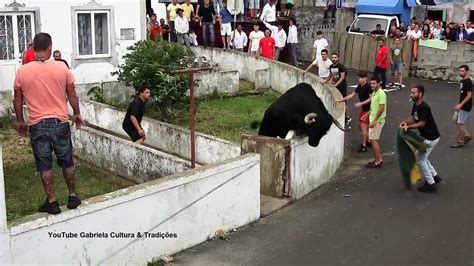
x=431, y=29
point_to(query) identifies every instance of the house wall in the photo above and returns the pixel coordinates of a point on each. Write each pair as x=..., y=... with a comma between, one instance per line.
x=165, y=137
x=190, y=206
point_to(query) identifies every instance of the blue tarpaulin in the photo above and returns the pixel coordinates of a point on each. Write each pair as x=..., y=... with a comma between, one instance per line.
x=411, y=3
x=388, y=7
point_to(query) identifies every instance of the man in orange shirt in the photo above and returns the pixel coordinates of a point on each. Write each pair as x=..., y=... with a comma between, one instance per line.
x=43, y=85
x=154, y=28
x=267, y=46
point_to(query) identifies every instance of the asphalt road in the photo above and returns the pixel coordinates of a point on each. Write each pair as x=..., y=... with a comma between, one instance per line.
x=366, y=216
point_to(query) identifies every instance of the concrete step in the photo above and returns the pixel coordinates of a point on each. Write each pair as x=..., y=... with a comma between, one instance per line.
x=269, y=205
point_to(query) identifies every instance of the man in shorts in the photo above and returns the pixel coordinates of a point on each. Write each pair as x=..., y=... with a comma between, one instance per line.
x=377, y=114
x=132, y=121
x=43, y=86
x=254, y=6
x=463, y=108
x=364, y=91
x=397, y=62
x=225, y=17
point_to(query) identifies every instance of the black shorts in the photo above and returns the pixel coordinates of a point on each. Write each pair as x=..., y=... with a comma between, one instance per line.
x=133, y=133
x=342, y=90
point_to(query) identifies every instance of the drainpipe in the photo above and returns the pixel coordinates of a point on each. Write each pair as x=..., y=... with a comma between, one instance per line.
x=288, y=192
x=5, y=256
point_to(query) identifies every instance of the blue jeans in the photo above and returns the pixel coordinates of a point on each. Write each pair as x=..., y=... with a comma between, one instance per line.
x=426, y=168
x=208, y=29
x=50, y=135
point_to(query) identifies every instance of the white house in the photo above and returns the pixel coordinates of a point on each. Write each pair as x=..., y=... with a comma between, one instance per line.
x=91, y=35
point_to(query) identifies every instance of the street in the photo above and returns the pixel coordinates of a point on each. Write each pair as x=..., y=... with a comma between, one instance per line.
x=366, y=216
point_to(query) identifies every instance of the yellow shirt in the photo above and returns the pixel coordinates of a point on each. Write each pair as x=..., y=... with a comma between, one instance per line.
x=172, y=11
x=187, y=10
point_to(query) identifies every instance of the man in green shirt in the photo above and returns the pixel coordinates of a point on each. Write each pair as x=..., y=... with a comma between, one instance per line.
x=377, y=114
x=397, y=62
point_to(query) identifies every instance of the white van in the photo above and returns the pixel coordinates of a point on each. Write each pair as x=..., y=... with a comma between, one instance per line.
x=365, y=23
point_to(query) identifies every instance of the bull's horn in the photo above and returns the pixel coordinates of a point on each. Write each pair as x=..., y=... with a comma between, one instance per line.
x=310, y=118
x=338, y=124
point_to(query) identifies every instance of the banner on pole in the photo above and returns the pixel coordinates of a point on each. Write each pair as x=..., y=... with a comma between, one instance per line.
x=339, y=4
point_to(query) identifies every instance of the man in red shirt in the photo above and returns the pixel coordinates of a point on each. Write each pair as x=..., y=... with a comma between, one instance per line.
x=267, y=46
x=28, y=54
x=381, y=62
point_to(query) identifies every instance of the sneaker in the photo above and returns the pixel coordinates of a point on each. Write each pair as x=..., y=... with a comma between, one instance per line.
x=348, y=120
x=437, y=179
x=467, y=139
x=428, y=188
x=51, y=208
x=391, y=84
x=457, y=145
x=362, y=149
x=73, y=202
x=374, y=165
x=400, y=86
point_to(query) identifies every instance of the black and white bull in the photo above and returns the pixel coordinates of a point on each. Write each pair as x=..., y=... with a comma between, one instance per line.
x=299, y=109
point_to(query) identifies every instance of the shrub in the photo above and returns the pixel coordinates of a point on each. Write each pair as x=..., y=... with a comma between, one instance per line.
x=149, y=63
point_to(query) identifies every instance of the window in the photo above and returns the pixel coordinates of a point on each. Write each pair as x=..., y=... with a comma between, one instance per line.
x=93, y=36
x=366, y=25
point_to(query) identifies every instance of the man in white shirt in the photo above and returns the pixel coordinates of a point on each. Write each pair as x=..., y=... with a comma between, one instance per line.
x=416, y=33
x=279, y=35
x=323, y=63
x=255, y=36
x=319, y=44
x=239, y=39
x=269, y=13
x=181, y=25
x=469, y=27
x=292, y=41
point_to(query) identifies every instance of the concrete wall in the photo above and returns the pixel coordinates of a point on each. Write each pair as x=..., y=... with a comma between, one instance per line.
x=190, y=206
x=6, y=98
x=124, y=158
x=163, y=136
x=113, y=91
x=222, y=82
x=443, y=65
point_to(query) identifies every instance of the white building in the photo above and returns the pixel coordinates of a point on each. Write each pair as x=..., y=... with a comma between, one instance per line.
x=91, y=35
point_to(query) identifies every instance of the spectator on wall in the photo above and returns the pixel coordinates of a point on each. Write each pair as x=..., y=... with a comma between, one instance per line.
x=208, y=19
x=469, y=27
x=165, y=30
x=438, y=31
x=426, y=32
x=226, y=29
x=239, y=39
x=461, y=34
x=154, y=28
x=330, y=7
x=450, y=32
x=402, y=28
x=470, y=38
x=171, y=15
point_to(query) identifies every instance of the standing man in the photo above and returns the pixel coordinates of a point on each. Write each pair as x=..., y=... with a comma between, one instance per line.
x=397, y=62
x=463, y=108
x=181, y=24
x=44, y=85
x=377, y=114
x=225, y=17
x=279, y=35
x=381, y=62
x=57, y=57
x=207, y=20
x=292, y=41
x=364, y=91
x=171, y=15
x=269, y=13
x=154, y=28
x=188, y=9
x=422, y=119
x=337, y=76
x=323, y=63
x=239, y=39
x=319, y=44
x=255, y=36
x=165, y=30
x=132, y=122
x=267, y=46
x=330, y=6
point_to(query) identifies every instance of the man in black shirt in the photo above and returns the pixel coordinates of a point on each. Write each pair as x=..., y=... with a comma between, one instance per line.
x=378, y=31
x=463, y=108
x=422, y=119
x=337, y=76
x=208, y=19
x=133, y=118
x=364, y=91
x=57, y=57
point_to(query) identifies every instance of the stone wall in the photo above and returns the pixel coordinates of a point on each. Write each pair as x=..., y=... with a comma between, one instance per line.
x=6, y=103
x=442, y=65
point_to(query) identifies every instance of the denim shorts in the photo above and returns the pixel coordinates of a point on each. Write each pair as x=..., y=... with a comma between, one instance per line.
x=460, y=117
x=50, y=135
x=397, y=67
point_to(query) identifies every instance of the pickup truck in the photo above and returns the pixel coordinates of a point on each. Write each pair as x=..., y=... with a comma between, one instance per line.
x=365, y=23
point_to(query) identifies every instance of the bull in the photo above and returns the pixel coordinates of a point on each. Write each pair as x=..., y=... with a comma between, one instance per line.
x=300, y=110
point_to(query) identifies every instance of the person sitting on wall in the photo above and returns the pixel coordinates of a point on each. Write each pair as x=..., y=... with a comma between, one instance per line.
x=470, y=38
x=330, y=6
x=57, y=57
x=132, y=122
x=377, y=32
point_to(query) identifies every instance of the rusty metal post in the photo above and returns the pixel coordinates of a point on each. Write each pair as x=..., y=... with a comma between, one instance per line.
x=192, y=107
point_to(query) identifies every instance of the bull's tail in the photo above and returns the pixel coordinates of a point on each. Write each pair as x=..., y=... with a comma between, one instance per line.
x=255, y=124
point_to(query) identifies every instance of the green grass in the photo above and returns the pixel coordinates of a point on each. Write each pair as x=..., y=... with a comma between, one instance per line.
x=24, y=192
x=225, y=117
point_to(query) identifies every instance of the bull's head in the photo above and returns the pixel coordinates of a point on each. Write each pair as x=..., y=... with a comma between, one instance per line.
x=318, y=126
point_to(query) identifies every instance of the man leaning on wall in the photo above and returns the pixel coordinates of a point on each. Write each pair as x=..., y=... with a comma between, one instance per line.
x=44, y=85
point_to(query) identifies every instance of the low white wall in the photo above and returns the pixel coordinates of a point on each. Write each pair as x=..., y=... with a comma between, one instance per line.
x=4, y=231
x=311, y=167
x=222, y=82
x=163, y=136
x=6, y=98
x=191, y=206
x=124, y=158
